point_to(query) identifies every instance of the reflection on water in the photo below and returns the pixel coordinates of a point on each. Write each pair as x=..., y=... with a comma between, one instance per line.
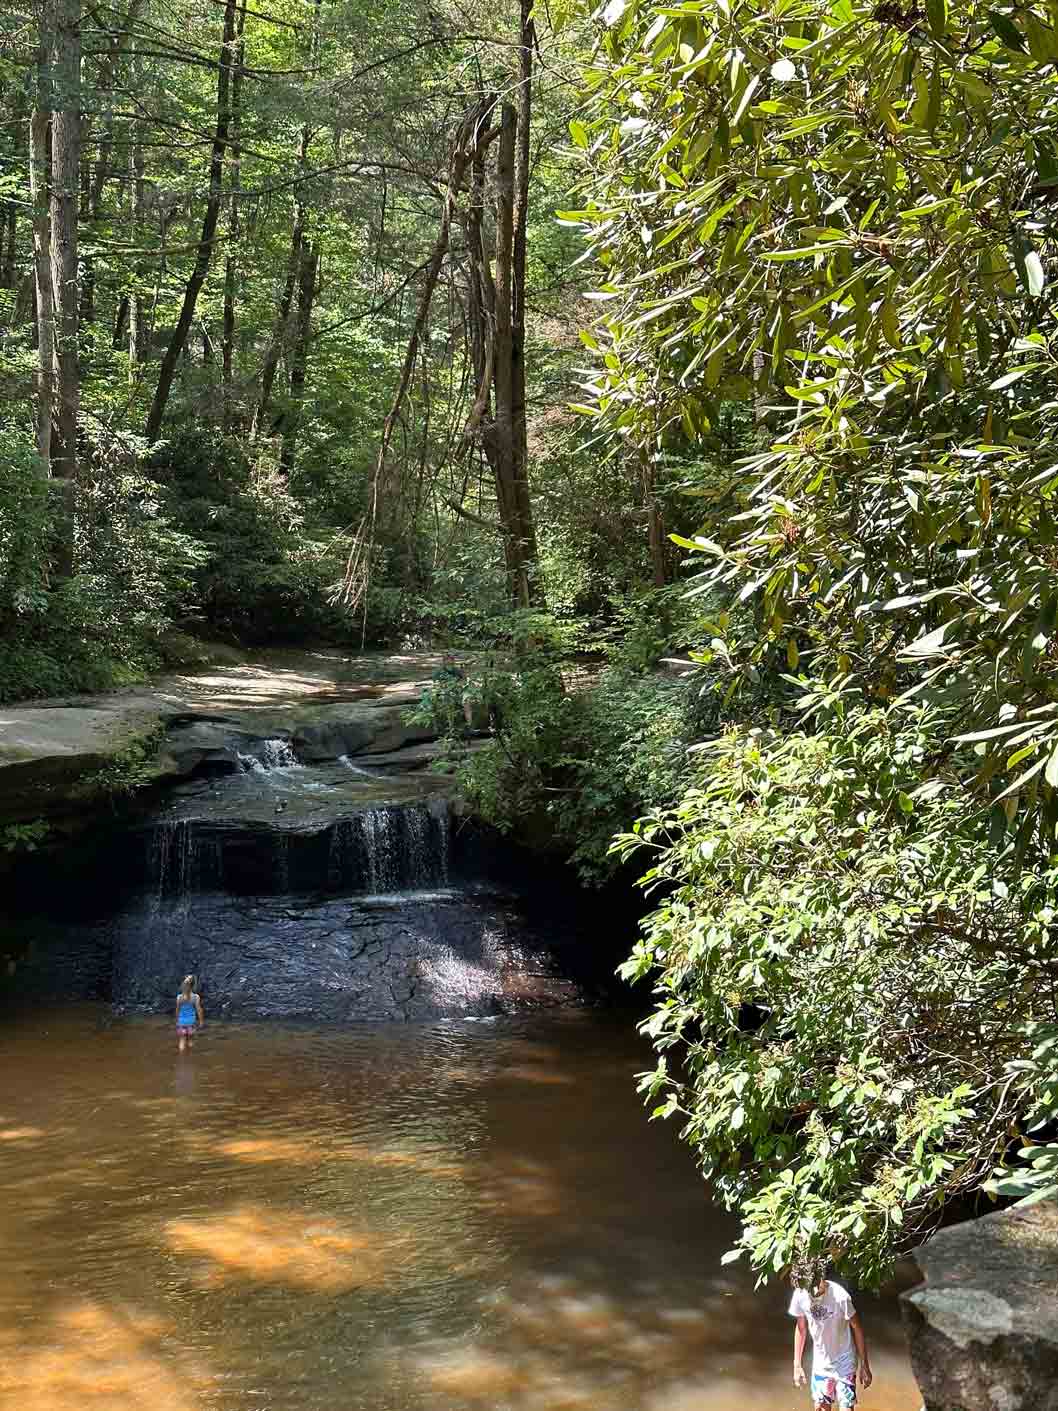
x=475, y=1215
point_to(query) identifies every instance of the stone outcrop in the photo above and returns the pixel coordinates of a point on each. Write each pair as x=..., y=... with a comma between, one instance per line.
x=983, y=1326
x=323, y=706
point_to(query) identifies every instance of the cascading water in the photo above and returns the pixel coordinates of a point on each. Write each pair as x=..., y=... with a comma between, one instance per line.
x=274, y=754
x=393, y=848
x=181, y=860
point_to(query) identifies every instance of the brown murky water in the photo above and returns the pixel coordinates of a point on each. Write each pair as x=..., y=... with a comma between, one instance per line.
x=469, y=1216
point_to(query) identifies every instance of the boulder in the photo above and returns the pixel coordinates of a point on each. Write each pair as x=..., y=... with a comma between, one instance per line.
x=983, y=1325
x=196, y=745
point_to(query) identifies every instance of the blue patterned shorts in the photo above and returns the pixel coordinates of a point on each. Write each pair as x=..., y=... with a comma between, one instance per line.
x=831, y=1392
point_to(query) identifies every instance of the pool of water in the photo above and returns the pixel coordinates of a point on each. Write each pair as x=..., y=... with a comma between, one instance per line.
x=449, y=1218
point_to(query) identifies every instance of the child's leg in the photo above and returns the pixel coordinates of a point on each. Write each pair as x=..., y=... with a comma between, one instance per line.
x=824, y=1394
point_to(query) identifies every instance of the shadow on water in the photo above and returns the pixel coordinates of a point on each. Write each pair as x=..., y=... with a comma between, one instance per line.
x=396, y=1218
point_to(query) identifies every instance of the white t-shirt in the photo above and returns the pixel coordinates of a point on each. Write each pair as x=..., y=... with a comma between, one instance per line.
x=829, y=1316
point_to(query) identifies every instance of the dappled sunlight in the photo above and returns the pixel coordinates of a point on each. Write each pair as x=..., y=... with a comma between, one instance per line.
x=520, y=1187
x=95, y=1358
x=488, y=1379
x=526, y=1073
x=289, y=1150
x=20, y=1134
x=265, y=1149
x=558, y=1343
x=421, y=1162
x=276, y=1247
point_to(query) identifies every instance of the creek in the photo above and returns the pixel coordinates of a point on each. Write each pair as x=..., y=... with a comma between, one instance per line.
x=463, y=1216
x=405, y=1167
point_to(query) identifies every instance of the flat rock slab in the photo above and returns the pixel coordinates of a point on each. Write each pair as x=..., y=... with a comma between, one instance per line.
x=983, y=1326
x=324, y=703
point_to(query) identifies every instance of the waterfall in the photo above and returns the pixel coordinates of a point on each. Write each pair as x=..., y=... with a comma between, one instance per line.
x=347, y=763
x=180, y=859
x=391, y=848
x=274, y=754
x=281, y=853
x=396, y=847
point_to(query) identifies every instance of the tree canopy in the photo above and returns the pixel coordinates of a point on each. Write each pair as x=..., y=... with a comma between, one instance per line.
x=844, y=213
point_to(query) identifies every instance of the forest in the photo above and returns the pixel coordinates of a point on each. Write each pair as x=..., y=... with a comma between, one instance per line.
x=581, y=338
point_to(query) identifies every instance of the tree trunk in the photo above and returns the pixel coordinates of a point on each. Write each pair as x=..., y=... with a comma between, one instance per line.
x=63, y=206
x=7, y=247
x=279, y=329
x=167, y=371
x=502, y=440
x=299, y=353
x=39, y=178
x=136, y=319
x=121, y=319
x=655, y=524
x=227, y=349
x=523, y=505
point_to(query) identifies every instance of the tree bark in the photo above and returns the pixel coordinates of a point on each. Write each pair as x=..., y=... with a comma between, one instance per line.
x=501, y=442
x=8, y=243
x=40, y=181
x=231, y=259
x=136, y=319
x=286, y=300
x=655, y=523
x=523, y=504
x=299, y=354
x=167, y=371
x=280, y=329
x=63, y=209
x=121, y=319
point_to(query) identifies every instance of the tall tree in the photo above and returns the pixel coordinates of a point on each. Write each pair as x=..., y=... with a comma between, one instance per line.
x=63, y=212
x=204, y=254
x=231, y=258
x=40, y=180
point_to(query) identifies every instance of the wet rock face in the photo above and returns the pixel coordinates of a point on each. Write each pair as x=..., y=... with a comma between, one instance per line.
x=983, y=1326
x=409, y=957
x=393, y=912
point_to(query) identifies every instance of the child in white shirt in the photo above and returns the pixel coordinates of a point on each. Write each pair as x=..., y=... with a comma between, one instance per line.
x=824, y=1311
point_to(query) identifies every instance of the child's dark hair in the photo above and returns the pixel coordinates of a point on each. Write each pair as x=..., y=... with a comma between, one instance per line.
x=808, y=1271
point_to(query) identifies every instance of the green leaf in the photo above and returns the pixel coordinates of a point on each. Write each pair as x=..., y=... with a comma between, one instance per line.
x=1007, y=30
x=974, y=86
x=890, y=325
x=937, y=15
x=1012, y=376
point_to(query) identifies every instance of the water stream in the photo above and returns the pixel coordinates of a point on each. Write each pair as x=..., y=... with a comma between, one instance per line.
x=469, y=1216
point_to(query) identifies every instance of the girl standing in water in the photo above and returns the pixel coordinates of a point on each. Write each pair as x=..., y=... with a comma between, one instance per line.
x=188, y=1012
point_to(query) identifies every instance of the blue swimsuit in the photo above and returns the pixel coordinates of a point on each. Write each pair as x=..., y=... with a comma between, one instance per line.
x=186, y=1015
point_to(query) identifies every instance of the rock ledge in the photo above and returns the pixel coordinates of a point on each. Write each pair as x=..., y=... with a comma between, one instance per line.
x=983, y=1326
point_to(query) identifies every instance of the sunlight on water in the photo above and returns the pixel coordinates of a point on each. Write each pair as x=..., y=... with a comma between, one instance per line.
x=453, y=1218
x=286, y=1247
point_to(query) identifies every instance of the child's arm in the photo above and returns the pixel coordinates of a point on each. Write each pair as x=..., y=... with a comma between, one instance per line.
x=198, y=1010
x=861, y=1350
x=176, y=1008
x=800, y=1337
